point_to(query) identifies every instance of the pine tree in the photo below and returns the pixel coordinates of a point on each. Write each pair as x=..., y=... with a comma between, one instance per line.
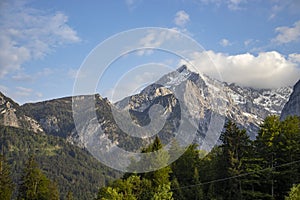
x=69, y=196
x=294, y=194
x=6, y=183
x=288, y=152
x=143, y=186
x=156, y=160
x=235, y=145
x=34, y=185
x=185, y=171
x=278, y=144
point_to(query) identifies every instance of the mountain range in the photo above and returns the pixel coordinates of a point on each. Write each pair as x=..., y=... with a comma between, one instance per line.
x=203, y=102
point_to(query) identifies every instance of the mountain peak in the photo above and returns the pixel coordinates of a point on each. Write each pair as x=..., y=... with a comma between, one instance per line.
x=182, y=68
x=292, y=107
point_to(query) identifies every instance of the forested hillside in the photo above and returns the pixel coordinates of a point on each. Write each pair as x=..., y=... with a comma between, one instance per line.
x=239, y=168
x=266, y=168
x=71, y=168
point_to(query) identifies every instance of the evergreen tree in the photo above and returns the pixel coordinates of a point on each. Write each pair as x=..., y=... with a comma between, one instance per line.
x=6, y=183
x=278, y=144
x=288, y=152
x=69, y=196
x=235, y=145
x=185, y=171
x=177, y=192
x=35, y=185
x=156, y=160
x=294, y=194
x=253, y=183
x=143, y=186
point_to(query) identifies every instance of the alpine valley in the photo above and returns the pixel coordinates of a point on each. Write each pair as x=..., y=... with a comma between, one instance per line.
x=47, y=128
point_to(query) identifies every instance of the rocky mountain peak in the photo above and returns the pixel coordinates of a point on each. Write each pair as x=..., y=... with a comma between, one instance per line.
x=292, y=107
x=12, y=115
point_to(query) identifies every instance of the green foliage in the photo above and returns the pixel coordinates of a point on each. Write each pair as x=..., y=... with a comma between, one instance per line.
x=163, y=192
x=6, y=183
x=158, y=159
x=144, y=186
x=294, y=194
x=235, y=145
x=72, y=168
x=262, y=169
x=185, y=172
x=35, y=185
x=69, y=196
x=278, y=143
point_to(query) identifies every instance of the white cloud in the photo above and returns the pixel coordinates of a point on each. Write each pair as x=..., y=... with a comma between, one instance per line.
x=136, y=79
x=24, y=77
x=235, y=4
x=27, y=33
x=248, y=42
x=22, y=91
x=155, y=39
x=132, y=4
x=295, y=58
x=231, y=4
x=287, y=34
x=224, y=42
x=287, y=6
x=266, y=70
x=181, y=18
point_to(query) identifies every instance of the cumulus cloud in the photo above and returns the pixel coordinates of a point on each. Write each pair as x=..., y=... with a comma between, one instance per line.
x=224, y=42
x=181, y=18
x=27, y=33
x=287, y=34
x=265, y=70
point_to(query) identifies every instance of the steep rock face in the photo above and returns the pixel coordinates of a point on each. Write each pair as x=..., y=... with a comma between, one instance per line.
x=204, y=96
x=11, y=115
x=292, y=107
x=209, y=103
x=54, y=116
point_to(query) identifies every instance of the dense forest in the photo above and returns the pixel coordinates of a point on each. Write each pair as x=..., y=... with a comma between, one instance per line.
x=239, y=168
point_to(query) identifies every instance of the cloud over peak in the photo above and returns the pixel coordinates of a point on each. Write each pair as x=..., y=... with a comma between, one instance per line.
x=265, y=70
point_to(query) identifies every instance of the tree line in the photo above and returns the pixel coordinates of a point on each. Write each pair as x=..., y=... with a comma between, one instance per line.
x=33, y=185
x=267, y=168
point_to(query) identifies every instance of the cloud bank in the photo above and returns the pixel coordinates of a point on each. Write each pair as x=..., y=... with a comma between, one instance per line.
x=265, y=70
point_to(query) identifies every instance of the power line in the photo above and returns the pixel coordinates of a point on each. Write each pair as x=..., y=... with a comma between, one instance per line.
x=237, y=176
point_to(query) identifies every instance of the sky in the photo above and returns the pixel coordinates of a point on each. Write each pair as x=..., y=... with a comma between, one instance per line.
x=254, y=43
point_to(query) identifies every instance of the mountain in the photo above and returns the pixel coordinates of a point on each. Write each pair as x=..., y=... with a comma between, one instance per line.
x=11, y=115
x=41, y=129
x=205, y=97
x=292, y=107
x=179, y=102
x=206, y=103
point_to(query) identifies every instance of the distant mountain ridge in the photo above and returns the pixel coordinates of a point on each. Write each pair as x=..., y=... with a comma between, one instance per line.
x=247, y=106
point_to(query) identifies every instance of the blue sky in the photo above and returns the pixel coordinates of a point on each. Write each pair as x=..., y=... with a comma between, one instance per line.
x=43, y=43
